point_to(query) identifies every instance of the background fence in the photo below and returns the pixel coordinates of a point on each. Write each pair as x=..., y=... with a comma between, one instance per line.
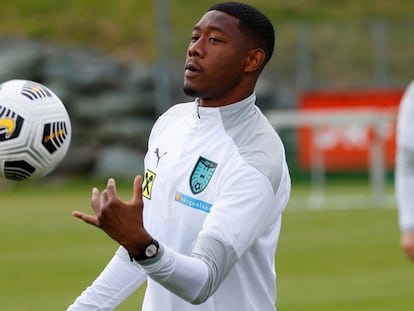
x=346, y=54
x=319, y=157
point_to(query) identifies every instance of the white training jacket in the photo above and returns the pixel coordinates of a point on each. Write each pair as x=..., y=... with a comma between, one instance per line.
x=215, y=186
x=404, y=182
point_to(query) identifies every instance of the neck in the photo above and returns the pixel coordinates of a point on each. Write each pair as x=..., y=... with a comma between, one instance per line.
x=207, y=103
x=224, y=101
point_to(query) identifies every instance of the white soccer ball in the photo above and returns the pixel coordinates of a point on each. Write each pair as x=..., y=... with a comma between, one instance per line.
x=35, y=130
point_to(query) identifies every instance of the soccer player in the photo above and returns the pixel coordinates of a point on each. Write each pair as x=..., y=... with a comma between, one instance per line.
x=404, y=185
x=204, y=221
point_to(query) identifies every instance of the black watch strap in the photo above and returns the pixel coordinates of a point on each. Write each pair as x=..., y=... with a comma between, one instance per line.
x=150, y=251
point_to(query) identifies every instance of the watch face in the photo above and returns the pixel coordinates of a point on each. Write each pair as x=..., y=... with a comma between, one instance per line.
x=151, y=250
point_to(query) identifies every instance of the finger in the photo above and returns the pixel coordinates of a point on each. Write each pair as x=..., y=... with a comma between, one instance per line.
x=137, y=190
x=92, y=220
x=103, y=199
x=111, y=190
x=95, y=200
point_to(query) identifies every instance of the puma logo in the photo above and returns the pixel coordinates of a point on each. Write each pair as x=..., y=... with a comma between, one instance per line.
x=157, y=153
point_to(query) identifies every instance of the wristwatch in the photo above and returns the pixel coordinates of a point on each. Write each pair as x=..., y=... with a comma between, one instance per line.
x=151, y=250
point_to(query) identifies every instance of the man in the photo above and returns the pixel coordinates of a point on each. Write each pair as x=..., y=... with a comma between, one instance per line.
x=202, y=227
x=404, y=172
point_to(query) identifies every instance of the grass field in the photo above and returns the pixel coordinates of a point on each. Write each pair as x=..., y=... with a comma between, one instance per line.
x=328, y=260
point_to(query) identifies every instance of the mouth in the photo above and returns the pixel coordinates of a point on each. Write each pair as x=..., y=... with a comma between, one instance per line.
x=192, y=68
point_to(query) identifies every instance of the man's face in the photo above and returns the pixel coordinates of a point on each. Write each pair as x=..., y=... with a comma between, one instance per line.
x=216, y=57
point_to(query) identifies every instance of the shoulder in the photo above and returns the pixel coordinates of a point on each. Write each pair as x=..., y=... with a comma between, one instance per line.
x=260, y=146
x=405, y=126
x=407, y=100
x=179, y=110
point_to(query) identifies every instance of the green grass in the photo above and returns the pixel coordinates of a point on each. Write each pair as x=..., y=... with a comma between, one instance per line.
x=48, y=256
x=345, y=259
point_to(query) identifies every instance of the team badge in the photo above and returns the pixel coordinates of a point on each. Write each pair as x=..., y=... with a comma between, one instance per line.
x=147, y=185
x=201, y=175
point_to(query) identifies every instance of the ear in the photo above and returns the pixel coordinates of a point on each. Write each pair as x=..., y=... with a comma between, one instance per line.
x=255, y=60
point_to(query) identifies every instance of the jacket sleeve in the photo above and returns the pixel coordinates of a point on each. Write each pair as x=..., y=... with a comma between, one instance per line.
x=404, y=172
x=115, y=283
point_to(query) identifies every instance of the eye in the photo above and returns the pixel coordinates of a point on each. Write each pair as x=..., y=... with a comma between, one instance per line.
x=214, y=40
x=194, y=38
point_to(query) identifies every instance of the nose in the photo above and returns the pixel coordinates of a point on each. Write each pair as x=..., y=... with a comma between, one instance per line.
x=195, y=49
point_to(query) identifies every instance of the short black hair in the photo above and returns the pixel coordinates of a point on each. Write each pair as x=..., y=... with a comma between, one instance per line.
x=251, y=22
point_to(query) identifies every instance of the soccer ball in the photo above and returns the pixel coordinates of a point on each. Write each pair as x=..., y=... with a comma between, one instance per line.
x=35, y=130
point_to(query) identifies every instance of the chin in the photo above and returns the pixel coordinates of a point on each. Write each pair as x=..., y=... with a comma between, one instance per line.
x=190, y=91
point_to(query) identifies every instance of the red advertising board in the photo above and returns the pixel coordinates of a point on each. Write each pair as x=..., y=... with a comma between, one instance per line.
x=346, y=146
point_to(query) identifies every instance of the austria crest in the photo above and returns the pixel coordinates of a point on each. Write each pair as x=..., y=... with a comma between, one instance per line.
x=201, y=175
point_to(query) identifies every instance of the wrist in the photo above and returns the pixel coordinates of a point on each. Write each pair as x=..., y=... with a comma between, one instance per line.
x=150, y=250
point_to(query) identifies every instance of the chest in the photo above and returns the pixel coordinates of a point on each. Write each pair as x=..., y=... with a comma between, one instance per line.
x=184, y=168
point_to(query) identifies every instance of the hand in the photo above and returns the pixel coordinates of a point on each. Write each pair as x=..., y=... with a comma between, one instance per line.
x=121, y=220
x=407, y=243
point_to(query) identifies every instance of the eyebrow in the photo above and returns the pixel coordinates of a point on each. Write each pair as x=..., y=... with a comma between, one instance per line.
x=211, y=28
